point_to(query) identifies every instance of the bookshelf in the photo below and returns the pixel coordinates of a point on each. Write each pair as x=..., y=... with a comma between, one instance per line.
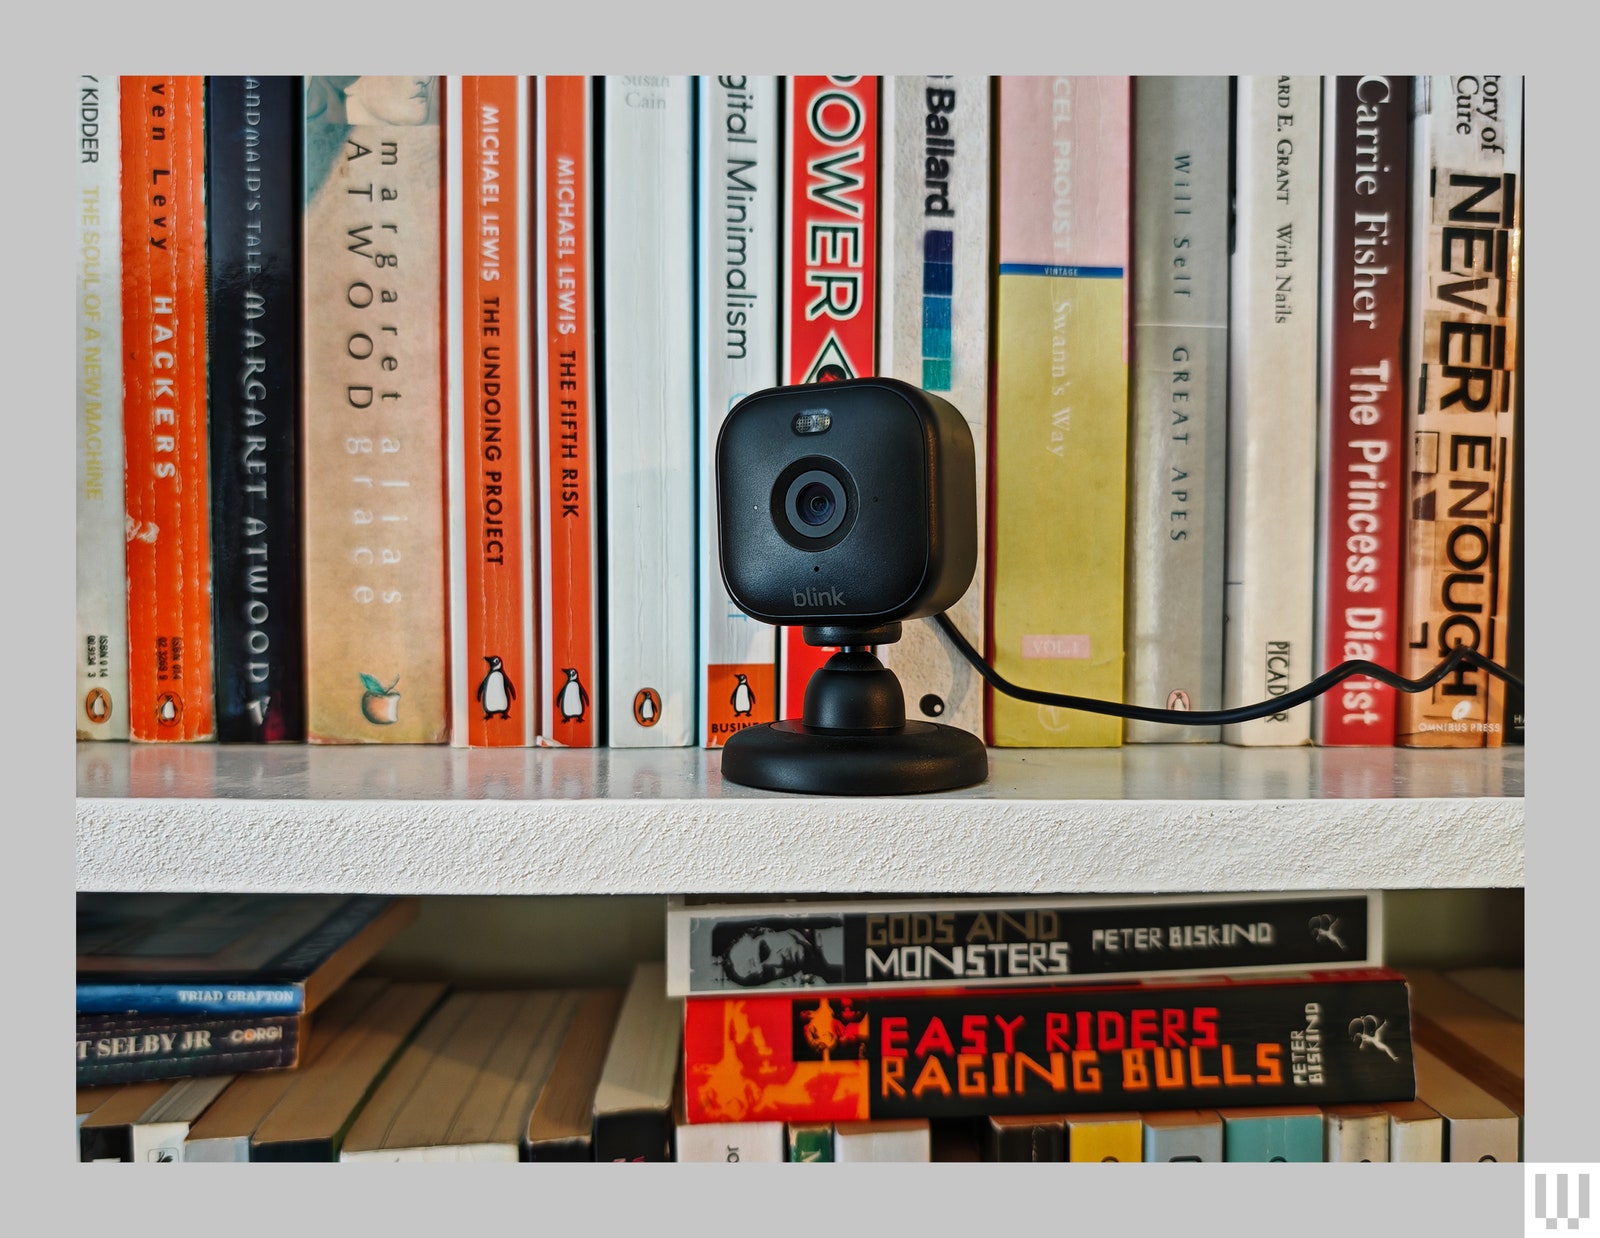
x=437, y=820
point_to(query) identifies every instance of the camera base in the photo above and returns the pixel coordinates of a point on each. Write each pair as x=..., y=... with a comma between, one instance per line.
x=910, y=760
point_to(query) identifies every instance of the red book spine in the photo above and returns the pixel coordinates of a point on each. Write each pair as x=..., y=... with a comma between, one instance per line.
x=1367, y=180
x=167, y=476
x=830, y=269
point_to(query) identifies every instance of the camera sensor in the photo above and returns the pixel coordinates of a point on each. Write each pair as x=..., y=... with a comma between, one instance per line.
x=815, y=504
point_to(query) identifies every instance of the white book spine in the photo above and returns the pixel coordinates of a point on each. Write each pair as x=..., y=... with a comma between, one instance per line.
x=1356, y=1136
x=1272, y=405
x=455, y=1153
x=731, y=1142
x=461, y=684
x=934, y=330
x=1177, y=483
x=908, y=1139
x=101, y=653
x=647, y=238
x=739, y=217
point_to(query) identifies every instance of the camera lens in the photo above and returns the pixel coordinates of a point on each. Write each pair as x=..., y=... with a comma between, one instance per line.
x=815, y=503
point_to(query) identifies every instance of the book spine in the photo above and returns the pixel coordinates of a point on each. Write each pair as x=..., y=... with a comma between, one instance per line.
x=1039, y=1138
x=934, y=330
x=1516, y=619
x=1313, y=1038
x=166, y=477
x=1461, y=420
x=189, y=999
x=494, y=682
x=904, y=1140
x=1197, y=1139
x=830, y=231
x=730, y=1143
x=809, y=1141
x=102, y=579
x=1355, y=1133
x=569, y=547
x=132, y=1049
x=632, y=1137
x=1177, y=479
x=1365, y=190
x=1269, y=597
x=1059, y=431
x=253, y=218
x=1105, y=1137
x=647, y=300
x=955, y=945
x=373, y=429
x=738, y=217
x=1272, y=1136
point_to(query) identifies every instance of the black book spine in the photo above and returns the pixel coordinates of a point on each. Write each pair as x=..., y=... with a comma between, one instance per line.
x=253, y=201
x=637, y=1135
x=137, y=1048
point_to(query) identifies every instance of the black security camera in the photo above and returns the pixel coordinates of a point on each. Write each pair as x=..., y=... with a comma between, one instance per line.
x=846, y=508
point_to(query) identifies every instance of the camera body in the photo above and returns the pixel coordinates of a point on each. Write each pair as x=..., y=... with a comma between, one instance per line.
x=846, y=503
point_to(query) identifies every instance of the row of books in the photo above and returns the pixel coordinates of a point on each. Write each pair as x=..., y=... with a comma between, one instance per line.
x=1211, y=1041
x=396, y=396
x=416, y=1071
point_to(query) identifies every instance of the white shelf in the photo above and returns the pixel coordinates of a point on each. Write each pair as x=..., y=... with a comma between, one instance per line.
x=437, y=820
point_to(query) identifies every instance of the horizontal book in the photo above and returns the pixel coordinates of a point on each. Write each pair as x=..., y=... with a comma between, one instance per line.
x=719, y=947
x=1476, y=1126
x=1316, y=1037
x=1416, y=1131
x=146, y=1122
x=124, y=1048
x=561, y=1125
x=170, y=954
x=1475, y=1036
x=633, y=1110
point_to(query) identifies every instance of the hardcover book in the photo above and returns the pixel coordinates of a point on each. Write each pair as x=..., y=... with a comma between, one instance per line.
x=633, y=1109
x=569, y=525
x=647, y=240
x=167, y=468
x=253, y=200
x=312, y=1119
x=130, y=1048
x=1465, y=289
x=1182, y=1135
x=222, y=954
x=934, y=330
x=1366, y=185
x=223, y=1132
x=722, y=948
x=1308, y=1038
x=738, y=214
x=147, y=1126
x=373, y=421
x=1269, y=598
x=1502, y=987
x=463, y=1089
x=1178, y=427
x=1472, y=1034
x=102, y=576
x=1059, y=422
x=830, y=247
x=1105, y=1137
x=1272, y=1133
x=495, y=688
x=560, y=1126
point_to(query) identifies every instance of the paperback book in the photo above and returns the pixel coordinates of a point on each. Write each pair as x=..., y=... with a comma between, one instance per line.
x=166, y=481
x=956, y=943
x=253, y=200
x=101, y=654
x=1307, y=1038
x=373, y=412
x=129, y=1048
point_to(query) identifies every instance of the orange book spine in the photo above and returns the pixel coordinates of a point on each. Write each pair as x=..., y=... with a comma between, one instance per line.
x=167, y=481
x=569, y=563
x=495, y=680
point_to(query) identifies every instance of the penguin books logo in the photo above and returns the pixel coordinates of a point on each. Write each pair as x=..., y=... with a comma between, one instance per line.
x=495, y=690
x=169, y=708
x=1178, y=699
x=97, y=705
x=743, y=699
x=572, y=698
x=379, y=705
x=647, y=707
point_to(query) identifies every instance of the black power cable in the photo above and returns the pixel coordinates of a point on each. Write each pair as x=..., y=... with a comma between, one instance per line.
x=1459, y=657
